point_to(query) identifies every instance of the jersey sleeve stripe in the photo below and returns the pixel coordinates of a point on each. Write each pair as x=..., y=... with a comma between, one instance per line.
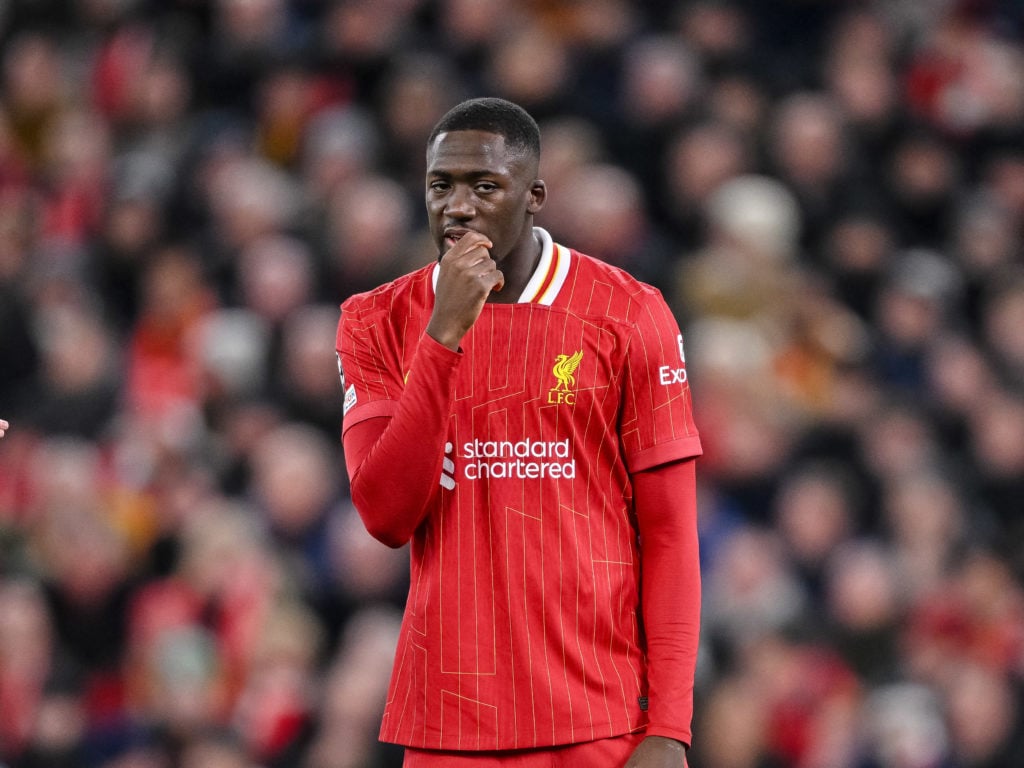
x=663, y=453
x=371, y=410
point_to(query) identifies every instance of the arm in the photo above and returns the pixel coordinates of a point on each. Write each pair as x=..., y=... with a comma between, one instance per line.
x=394, y=462
x=666, y=508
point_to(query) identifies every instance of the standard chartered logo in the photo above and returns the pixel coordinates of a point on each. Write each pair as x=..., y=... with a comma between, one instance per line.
x=505, y=459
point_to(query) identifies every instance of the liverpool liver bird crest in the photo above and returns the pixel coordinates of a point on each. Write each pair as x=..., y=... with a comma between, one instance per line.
x=565, y=367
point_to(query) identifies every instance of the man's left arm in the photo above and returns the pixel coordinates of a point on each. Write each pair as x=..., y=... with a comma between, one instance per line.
x=665, y=499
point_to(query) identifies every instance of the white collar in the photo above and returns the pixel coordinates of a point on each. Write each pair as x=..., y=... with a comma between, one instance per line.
x=549, y=276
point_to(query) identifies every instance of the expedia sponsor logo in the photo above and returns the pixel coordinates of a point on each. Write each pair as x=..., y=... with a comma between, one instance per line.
x=667, y=374
x=521, y=460
x=564, y=370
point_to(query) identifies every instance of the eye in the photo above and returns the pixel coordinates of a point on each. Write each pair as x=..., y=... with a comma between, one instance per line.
x=485, y=187
x=439, y=186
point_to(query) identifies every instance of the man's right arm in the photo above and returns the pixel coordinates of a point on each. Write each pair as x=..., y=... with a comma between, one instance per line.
x=394, y=462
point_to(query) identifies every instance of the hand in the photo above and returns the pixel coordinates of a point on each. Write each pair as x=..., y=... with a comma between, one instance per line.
x=4, y=426
x=658, y=752
x=467, y=277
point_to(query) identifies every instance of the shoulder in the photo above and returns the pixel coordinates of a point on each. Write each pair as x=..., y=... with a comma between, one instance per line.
x=609, y=290
x=404, y=291
x=616, y=275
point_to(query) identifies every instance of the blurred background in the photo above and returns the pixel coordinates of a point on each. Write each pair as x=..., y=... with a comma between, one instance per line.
x=829, y=193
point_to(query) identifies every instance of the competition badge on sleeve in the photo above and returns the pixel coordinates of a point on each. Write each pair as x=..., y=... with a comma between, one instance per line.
x=350, y=392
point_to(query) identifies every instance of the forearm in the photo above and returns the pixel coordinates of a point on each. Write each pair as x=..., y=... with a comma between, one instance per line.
x=394, y=463
x=666, y=507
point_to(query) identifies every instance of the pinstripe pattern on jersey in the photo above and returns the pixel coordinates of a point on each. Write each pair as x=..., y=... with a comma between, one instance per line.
x=521, y=626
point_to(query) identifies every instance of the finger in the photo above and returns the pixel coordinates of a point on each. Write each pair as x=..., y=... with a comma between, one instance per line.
x=487, y=268
x=475, y=238
x=478, y=256
x=493, y=279
x=467, y=245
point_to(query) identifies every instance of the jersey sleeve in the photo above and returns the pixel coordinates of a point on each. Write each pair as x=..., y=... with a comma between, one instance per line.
x=666, y=511
x=395, y=420
x=369, y=366
x=657, y=424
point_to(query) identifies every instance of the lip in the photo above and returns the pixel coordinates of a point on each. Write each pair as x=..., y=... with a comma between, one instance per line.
x=452, y=235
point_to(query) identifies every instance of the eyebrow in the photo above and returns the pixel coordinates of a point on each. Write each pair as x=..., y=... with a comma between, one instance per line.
x=477, y=174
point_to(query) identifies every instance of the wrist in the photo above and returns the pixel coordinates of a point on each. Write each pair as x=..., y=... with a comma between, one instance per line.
x=448, y=339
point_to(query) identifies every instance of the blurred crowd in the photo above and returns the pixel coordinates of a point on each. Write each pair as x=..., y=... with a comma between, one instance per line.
x=830, y=194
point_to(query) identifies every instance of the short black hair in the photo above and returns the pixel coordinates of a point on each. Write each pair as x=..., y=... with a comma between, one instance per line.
x=493, y=115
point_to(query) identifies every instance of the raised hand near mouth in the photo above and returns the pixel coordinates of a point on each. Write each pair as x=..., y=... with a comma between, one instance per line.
x=468, y=275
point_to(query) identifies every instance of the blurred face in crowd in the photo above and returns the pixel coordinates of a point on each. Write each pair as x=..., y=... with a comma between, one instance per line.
x=476, y=183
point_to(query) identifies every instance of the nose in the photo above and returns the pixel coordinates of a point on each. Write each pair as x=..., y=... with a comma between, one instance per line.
x=459, y=204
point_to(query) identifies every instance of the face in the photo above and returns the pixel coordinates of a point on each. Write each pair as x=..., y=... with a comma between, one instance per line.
x=474, y=183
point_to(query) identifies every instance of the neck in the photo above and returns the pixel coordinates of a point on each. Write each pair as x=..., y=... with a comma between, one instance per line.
x=518, y=267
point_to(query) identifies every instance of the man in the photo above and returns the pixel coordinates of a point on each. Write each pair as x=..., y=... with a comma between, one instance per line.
x=520, y=412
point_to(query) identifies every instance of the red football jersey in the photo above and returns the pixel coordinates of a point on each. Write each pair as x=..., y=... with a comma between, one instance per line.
x=521, y=627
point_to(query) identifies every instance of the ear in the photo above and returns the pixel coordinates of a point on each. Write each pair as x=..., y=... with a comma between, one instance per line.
x=538, y=194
